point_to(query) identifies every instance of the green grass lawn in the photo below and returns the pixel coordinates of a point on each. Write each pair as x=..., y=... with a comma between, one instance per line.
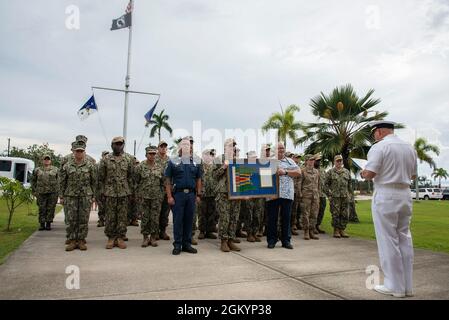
x=430, y=224
x=24, y=223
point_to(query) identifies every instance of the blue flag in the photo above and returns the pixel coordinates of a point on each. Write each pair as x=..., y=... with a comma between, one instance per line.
x=89, y=107
x=149, y=114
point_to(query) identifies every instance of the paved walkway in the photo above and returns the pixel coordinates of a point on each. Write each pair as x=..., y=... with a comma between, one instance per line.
x=325, y=269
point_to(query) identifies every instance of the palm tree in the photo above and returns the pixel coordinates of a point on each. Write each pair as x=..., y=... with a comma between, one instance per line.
x=342, y=127
x=439, y=174
x=285, y=123
x=422, y=150
x=159, y=122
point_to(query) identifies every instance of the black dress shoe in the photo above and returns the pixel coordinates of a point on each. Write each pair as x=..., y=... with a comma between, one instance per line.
x=176, y=251
x=48, y=226
x=287, y=246
x=271, y=246
x=42, y=227
x=189, y=250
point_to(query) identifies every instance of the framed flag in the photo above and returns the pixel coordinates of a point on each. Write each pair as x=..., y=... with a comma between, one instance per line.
x=253, y=179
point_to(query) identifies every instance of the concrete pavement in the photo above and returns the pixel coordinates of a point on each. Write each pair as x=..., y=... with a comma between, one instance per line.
x=325, y=269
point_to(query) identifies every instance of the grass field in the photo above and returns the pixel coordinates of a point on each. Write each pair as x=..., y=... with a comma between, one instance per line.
x=24, y=223
x=430, y=224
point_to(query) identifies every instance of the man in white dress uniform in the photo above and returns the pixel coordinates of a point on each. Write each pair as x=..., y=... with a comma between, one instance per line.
x=392, y=166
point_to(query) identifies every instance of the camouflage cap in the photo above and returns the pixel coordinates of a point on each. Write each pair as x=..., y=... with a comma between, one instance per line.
x=81, y=138
x=266, y=146
x=318, y=156
x=296, y=155
x=78, y=145
x=230, y=141
x=288, y=154
x=308, y=157
x=251, y=154
x=151, y=149
x=105, y=153
x=161, y=143
x=338, y=157
x=190, y=138
x=118, y=139
x=46, y=155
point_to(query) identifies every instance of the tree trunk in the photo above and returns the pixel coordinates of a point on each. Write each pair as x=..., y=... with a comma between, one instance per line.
x=11, y=212
x=159, y=135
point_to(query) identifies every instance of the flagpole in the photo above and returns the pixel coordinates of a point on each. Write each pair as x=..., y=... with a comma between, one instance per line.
x=127, y=80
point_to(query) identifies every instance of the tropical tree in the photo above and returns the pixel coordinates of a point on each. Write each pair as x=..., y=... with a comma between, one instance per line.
x=285, y=123
x=35, y=153
x=159, y=122
x=439, y=174
x=342, y=127
x=423, y=150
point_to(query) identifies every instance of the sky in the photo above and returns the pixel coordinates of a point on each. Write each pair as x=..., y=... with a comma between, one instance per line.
x=218, y=65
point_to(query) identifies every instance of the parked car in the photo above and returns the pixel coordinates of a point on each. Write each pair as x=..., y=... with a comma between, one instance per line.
x=446, y=194
x=428, y=194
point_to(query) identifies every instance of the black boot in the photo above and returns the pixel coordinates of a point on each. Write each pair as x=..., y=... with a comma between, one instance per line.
x=48, y=226
x=42, y=227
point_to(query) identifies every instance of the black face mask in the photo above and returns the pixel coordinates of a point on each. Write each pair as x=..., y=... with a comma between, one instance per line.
x=117, y=148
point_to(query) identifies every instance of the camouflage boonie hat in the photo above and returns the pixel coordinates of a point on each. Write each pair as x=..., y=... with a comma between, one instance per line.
x=151, y=149
x=118, y=139
x=81, y=138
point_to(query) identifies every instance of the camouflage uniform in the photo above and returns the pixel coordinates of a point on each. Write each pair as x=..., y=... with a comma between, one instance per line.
x=116, y=178
x=296, y=207
x=132, y=204
x=44, y=184
x=309, y=188
x=228, y=210
x=322, y=197
x=254, y=215
x=77, y=187
x=338, y=189
x=149, y=192
x=71, y=157
x=165, y=208
x=207, y=220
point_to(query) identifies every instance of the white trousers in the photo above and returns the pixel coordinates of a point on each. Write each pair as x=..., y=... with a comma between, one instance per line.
x=392, y=212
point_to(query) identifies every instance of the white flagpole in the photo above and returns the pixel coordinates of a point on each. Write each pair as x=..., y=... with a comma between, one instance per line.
x=128, y=70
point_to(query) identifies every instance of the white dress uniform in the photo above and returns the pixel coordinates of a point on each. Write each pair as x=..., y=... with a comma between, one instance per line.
x=394, y=162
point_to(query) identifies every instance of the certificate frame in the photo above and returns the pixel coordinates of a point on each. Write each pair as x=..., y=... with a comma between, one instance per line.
x=252, y=179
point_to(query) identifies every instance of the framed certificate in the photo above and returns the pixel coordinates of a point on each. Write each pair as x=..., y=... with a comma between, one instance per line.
x=253, y=179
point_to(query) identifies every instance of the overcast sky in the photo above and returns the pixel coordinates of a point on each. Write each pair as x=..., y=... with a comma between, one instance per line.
x=226, y=63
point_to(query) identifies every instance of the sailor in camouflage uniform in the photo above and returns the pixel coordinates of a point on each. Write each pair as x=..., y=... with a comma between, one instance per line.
x=322, y=209
x=338, y=189
x=44, y=185
x=78, y=179
x=228, y=210
x=70, y=156
x=116, y=177
x=309, y=192
x=206, y=220
x=100, y=197
x=149, y=178
x=162, y=158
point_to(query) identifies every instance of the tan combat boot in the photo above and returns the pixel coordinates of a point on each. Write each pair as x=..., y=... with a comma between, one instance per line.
x=312, y=234
x=251, y=238
x=164, y=236
x=343, y=234
x=294, y=232
x=82, y=245
x=68, y=241
x=153, y=241
x=145, y=242
x=337, y=233
x=235, y=240
x=306, y=234
x=194, y=242
x=110, y=243
x=201, y=236
x=224, y=246
x=257, y=238
x=121, y=243
x=232, y=246
x=71, y=246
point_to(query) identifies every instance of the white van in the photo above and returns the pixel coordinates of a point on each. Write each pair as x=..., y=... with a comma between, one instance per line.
x=17, y=168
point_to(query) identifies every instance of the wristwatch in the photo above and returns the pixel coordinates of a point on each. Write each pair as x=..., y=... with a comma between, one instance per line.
x=286, y=173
